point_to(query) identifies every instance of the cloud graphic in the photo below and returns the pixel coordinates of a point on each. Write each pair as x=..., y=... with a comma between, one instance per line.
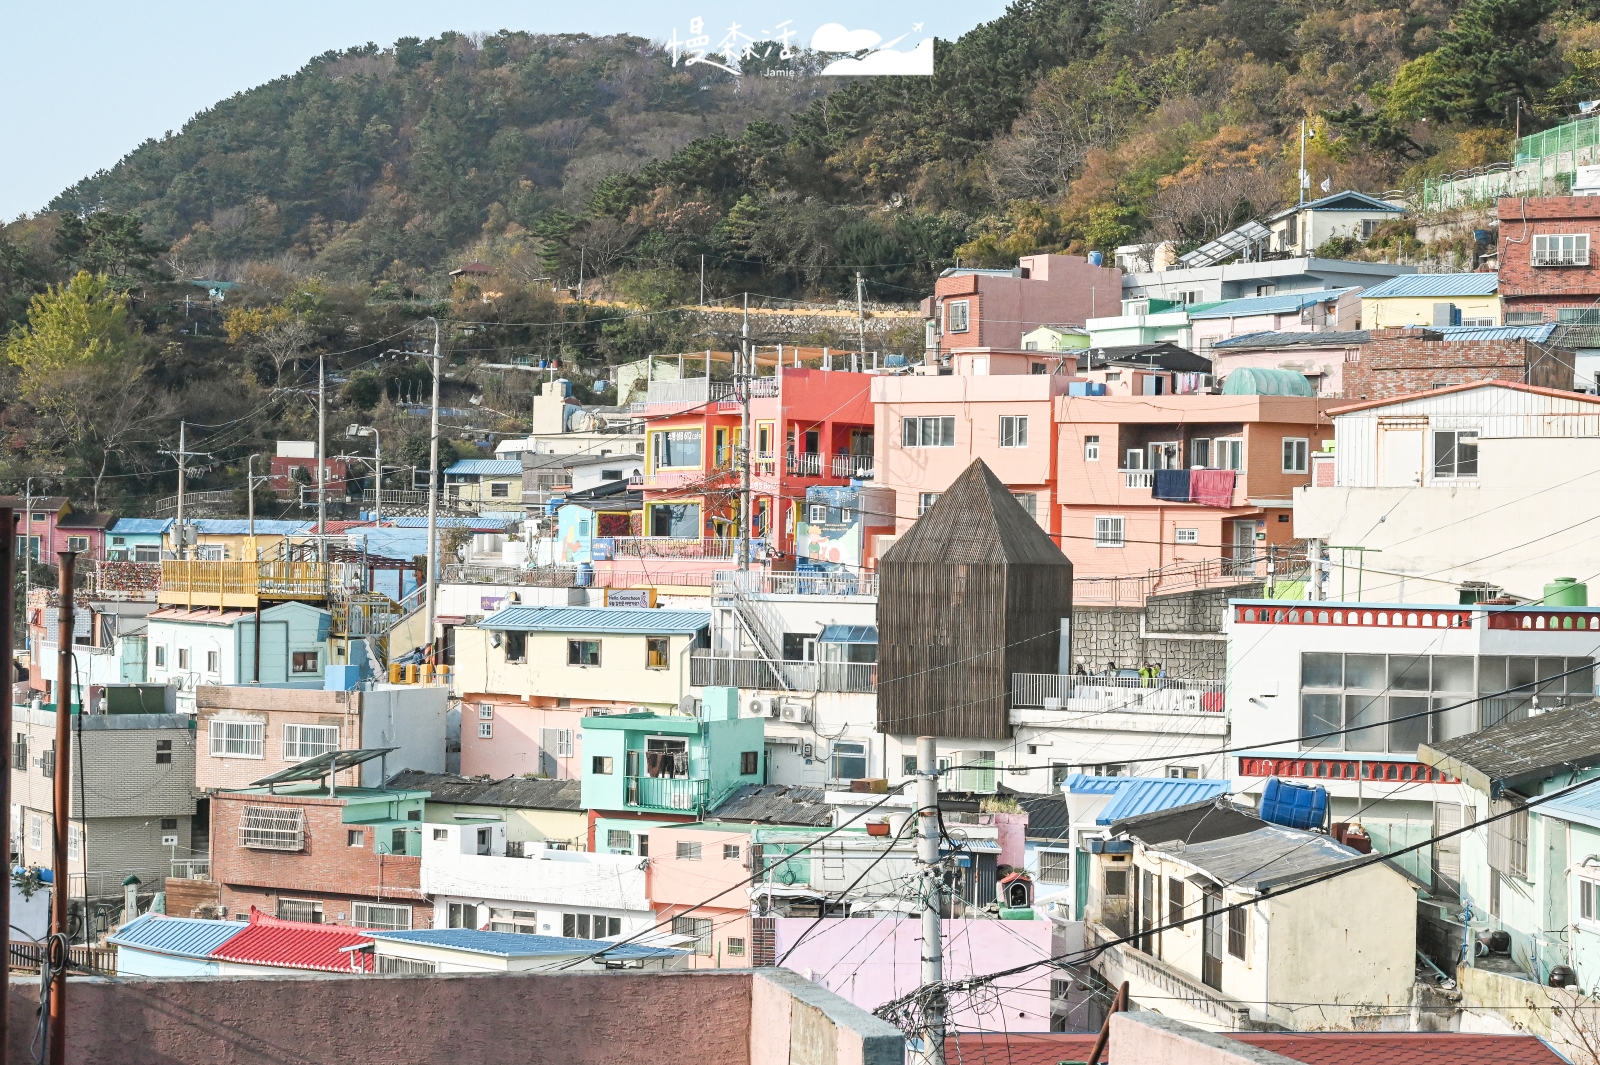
x=918, y=62
x=835, y=38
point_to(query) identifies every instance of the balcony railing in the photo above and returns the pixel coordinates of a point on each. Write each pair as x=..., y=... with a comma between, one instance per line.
x=191, y=868
x=805, y=465
x=763, y=582
x=665, y=793
x=761, y=675
x=1138, y=478
x=1134, y=695
x=674, y=547
x=855, y=467
x=206, y=582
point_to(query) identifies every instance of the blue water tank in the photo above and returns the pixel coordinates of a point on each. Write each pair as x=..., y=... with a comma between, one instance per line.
x=894, y=359
x=1097, y=258
x=585, y=575
x=1294, y=805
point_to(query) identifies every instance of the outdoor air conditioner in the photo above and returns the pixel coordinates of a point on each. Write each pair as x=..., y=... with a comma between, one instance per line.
x=797, y=713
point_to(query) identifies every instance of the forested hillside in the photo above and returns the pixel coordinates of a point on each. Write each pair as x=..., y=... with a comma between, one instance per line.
x=337, y=198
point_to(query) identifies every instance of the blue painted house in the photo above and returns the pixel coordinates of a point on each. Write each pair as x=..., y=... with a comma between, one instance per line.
x=137, y=539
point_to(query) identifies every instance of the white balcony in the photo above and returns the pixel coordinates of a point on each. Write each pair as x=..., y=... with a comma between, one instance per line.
x=1138, y=478
x=546, y=877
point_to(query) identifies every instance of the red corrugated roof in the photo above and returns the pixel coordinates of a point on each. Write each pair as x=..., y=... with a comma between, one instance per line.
x=1313, y=1048
x=297, y=945
x=969, y=1048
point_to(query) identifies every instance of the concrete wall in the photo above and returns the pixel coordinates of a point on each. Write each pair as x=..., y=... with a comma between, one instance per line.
x=767, y=1018
x=1398, y=365
x=1112, y=634
x=1151, y=1039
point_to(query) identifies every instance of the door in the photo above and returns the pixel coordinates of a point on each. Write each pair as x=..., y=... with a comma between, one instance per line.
x=1211, y=941
x=1243, y=549
x=1400, y=456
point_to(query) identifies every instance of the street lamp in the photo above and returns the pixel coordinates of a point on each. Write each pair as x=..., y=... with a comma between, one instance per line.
x=433, y=471
x=377, y=457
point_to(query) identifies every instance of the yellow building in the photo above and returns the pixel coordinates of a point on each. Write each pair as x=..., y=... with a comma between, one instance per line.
x=1433, y=300
x=229, y=539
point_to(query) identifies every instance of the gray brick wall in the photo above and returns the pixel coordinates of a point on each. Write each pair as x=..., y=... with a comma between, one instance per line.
x=1111, y=634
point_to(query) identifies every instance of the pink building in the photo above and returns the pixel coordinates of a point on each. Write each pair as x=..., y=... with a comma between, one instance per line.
x=688, y=863
x=54, y=525
x=1327, y=310
x=540, y=734
x=973, y=308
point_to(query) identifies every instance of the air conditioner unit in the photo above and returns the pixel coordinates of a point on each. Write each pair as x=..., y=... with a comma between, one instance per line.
x=797, y=713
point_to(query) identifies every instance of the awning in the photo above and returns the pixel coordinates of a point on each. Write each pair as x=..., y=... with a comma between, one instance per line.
x=849, y=634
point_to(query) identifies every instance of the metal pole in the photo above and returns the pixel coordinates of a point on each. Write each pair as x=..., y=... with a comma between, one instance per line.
x=861, y=318
x=433, y=487
x=61, y=809
x=742, y=383
x=27, y=563
x=8, y=607
x=702, y=280
x=322, y=460
x=932, y=1052
x=377, y=484
x=183, y=456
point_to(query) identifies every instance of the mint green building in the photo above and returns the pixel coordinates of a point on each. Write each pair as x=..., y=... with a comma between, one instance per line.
x=671, y=764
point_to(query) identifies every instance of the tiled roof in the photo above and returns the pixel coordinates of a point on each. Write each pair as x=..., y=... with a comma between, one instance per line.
x=1083, y=784
x=1283, y=303
x=1513, y=753
x=1047, y=816
x=1403, y=1048
x=776, y=804
x=198, y=616
x=1146, y=795
x=297, y=945
x=141, y=526
x=613, y=621
x=488, y=467
x=186, y=937
x=520, y=945
x=516, y=792
x=1424, y=285
x=992, y=1048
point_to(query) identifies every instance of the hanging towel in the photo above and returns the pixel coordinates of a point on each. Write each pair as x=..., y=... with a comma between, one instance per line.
x=1212, y=488
x=1172, y=485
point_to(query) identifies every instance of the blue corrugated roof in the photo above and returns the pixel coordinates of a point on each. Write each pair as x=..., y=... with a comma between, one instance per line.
x=1582, y=806
x=1283, y=303
x=521, y=945
x=488, y=467
x=141, y=526
x=1421, y=285
x=1144, y=795
x=241, y=526
x=480, y=524
x=1536, y=333
x=187, y=937
x=1083, y=784
x=607, y=620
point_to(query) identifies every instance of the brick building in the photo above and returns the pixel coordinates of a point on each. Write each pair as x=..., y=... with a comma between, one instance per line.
x=973, y=308
x=352, y=857
x=1547, y=270
x=1398, y=362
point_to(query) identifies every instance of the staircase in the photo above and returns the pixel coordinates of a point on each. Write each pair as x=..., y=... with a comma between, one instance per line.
x=762, y=623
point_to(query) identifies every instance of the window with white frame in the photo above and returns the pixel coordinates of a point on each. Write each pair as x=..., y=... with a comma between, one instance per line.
x=698, y=928
x=1108, y=532
x=388, y=963
x=1561, y=249
x=35, y=831
x=849, y=761
x=688, y=851
x=1589, y=898
x=1186, y=536
x=1133, y=458
x=1455, y=453
x=1295, y=452
x=161, y=656
x=928, y=432
x=618, y=839
x=388, y=918
x=74, y=842
x=1055, y=867
x=485, y=711
x=79, y=544
x=183, y=658
x=213, y=661
x=1091, y=449
x=958, y=314
x=238, y=739
x=307, y=741
x=486, y=730
x=925, y=502
x=1013, y=430
x=273, y=828
x=817, y=513
x=1227, y=453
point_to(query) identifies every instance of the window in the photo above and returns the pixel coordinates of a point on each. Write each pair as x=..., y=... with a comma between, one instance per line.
x=1508, y=839
x=816, y=514
x=388, y=918
x=516, y=647
x=556, y=742
x=1175, y=894
x=581, y=925
x=980, y=366
x=1186, y=536
x=485, y=711
x=305, y=661
x=499, y=489
x=47, y=762
x=210, y=553
x=583, y=652
x=183, y=658
x=643, y=842
x=161, y=656
x=697, y=927
x=688, y=852
x=676, y=449
x=1182, y=772
x=397, y=841
x=618, y=839
x=928, y=432
x=735, y=947
x=35, y=831
x=1295, y=452
x=1237, y=923
x=169, y=824
x=74, y=842
x=764, y=439
x=1091, y=449
x=306, y=910
x=78, y=543
x=238, y=739
x=957, y=312
x=308, y=741
x=163, y=752
x=273, y=828
x=730, y=852
x=749, y=763
x=1455, y=453
x=1133, y=459
x=1013, y=430
x=355, y=837
x=1537, y=317
x=19, y=752
x=1588, y=900
x=600, y=765
x=1028, y=501
x=439, y=835
x=681, y=520
x=486, y=730
x=1561, y=249
x=925, y=502
x=849, y=761
x=1055, y=867
x=146, y=553
x=1227, y=454
x=656, y=652
x=388, y=963
x=213, y=661
x=1108, y=532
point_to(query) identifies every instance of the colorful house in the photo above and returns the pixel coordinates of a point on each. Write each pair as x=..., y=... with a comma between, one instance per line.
x=54, y=525
x=189, y=648
x=158, y=945
x=137, y=539
x=485, y=481
x=1433, y=299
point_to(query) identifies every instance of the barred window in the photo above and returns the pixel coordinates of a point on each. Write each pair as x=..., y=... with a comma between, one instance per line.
x=1508, y=839
x=308, y=741
x=1055, y=867
x=389, y=964
x=698, y=927
x=388, y=918
x=273, y=828
x=238, y=739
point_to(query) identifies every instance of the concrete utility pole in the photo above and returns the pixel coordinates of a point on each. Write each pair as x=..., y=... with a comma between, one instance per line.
x=433, y=483
x=742, y=381
x=27, y=558
x=183, y=456
x=322, y=460
x=61, y=809
x=702, y=280
x=932, y=1035
x=250, y=496
x=861, y=321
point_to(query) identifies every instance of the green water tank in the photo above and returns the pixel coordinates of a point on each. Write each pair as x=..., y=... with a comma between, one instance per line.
x=1566, y=591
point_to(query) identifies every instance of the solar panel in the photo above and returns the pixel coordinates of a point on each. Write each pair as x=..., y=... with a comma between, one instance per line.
x=1234, y=242
x=323, y=765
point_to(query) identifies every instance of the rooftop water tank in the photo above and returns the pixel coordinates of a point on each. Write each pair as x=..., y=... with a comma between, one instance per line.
x=1566, y=591
x=1293, y=805
x=1097, y=258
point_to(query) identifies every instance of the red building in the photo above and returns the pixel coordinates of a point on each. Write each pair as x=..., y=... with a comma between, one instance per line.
x=973, y=308
x=1548, y=272
x=55, y=524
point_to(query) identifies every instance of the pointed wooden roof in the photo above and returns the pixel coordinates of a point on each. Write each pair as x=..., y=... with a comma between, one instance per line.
x=976, y=521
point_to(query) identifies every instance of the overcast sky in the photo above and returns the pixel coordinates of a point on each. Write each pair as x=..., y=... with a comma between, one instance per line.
x=85, y=83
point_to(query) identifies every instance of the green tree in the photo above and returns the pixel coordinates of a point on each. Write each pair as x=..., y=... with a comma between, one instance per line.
x=1494, y=54
x=109, y=244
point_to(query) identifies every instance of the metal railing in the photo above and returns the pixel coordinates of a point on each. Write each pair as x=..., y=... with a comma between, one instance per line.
x=690, y=547
x=1138, y=478
x=191, y=868
x=102, y=960
x=806, y=465
x=365, y=614
x=205, y=579
x=759, y=674
x=1087, y=694
x=168, y=505
x=1183, y=576
x=764, y=582
x=856, y=467
x=665, y=793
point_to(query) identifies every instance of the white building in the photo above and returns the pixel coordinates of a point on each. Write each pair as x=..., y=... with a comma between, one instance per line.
x=476, y=881
x=1492, y=482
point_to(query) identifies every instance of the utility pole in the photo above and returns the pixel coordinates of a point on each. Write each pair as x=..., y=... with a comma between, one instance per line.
x=27, y=560
x=250, y=496
x=861, y=322
x=183, y=455
x=433, y=476
x=62, y=809
x=583, y=251
x=702, y=280
x=932, y=1034
x=742, y=381
x=322, y=460
x=8, y=612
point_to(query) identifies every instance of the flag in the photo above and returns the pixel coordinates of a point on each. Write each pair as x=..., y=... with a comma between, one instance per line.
x=1588, y=105
x=1327, y=184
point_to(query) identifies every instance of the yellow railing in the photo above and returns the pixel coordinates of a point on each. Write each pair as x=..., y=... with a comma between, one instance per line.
x=207, y=582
